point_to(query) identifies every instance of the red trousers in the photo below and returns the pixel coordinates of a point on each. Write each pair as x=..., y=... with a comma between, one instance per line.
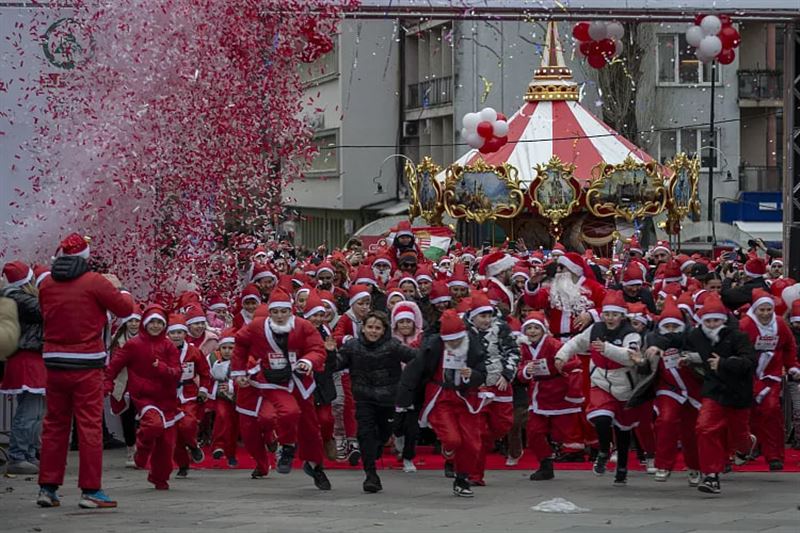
x=256, y=434
x=309, y=437
x=295, y=421
x=226, y=428
x=496, y=420
x=156, y=443
x=645, y=432
x=717, y=426
x=77, y=393
x=349, y=410
x=766, y=420
x=458, y=430
x=186, y=429
x=325, y=419
x=565, y=429
x=675, y=422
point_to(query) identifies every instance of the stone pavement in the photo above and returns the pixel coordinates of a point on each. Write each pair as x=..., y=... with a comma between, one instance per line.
x=230, y=501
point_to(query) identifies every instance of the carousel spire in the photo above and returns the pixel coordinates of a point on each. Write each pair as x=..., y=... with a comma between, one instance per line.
x=553, y=80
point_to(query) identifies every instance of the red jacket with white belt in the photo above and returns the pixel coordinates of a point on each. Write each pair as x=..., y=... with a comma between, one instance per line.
x=550, y=392
x=195, y=373
x=776, y=353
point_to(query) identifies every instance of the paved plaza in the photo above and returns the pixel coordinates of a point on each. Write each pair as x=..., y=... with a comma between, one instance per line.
x=229, y=501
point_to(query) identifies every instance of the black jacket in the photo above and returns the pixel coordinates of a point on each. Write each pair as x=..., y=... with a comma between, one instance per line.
x=375, y=367
x=732, y=384
x=325, y=391
x=423, y=369
x=30, y=319
x=645, y=296
x=735, y=297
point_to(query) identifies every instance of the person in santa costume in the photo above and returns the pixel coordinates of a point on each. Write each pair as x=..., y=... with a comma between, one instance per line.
x=192, y=392
x=633, y=289
x=75, y=304
x=735, y=295
x=25, y=376
x=502, y=357
x=256, y=421
x=222, y=399
x=458, y=284
x=288, y=349
x=450, y=369
x=497, y=268
x=794, y=385
x=153, y=369
x=729, y=362
x=198, y=332
x=612, y=345
x=776, y=350
x=263, y=279
x=119, y=402
x=555, y=397
x=250, y=300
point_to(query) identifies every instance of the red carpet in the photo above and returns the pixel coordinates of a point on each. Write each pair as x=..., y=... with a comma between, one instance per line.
x=427, y=460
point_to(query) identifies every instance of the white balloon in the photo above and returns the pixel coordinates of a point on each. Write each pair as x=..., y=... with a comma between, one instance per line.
x=470, y=121
x=711, y=24
x=617, y=47
x=710, y=46
x=488, y=114
x=475, y=140
x=694, y=35
x=703, y=58
x=500, y=128
x=464, y=133
x=615, y=30
x=598, y=30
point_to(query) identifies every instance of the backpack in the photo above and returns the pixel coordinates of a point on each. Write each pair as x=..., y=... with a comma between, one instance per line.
x=9, y=327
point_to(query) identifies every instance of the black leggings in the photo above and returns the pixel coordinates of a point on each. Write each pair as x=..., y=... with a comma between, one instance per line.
x=374, y=428
x=128, y=420
x=407, y=425
x=603, y=425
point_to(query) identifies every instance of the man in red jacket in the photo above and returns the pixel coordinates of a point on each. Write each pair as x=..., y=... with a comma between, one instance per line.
x=75, y=303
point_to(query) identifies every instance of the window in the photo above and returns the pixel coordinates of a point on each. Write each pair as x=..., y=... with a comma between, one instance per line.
x=324, y=67
x=326, y=162
x=677, y=63
x=690, y=141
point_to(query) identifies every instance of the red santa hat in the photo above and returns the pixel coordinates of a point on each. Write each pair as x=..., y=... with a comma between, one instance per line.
x=403, y=310
x=251, y=292
x=573, y=262
x=365, y=275
x=303, y=289
x=479, y=304
x=41, y=272
x=794, y=316
x=358, y=292
x=761, y=297
x=634, y=247
x=227, y=336
x=17, y=273
x=452, y=327
x=440, y=293
x=279, y=299
x=216, y=303
x=672, y=272
x=495, y=263
x=670, y=314
x=408, y=279
x=262, y=270
x=154, y=312
x=176, y=322
x=328, y=299
x=662, y=246
x=403, y=228
x=468, y=253
x=614, y=302
x=260, y=252
x=684, y=261
x=637, y=312
x=195, y=315
x=459, y=277
x=325, y=266
x=314, y=304
x=670, y=289
x=382, y=258
x=713, y=308
x=755, y=267
x=520, y=271
x=424, y=273
x=536, y=318
x=558, y=250
x=632, y=275
x=75, y=245
x=536, y=258
x=686, y=302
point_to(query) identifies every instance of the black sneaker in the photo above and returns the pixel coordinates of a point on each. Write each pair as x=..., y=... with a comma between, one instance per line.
x=353, y=453
x=621, y=477
x=183, y=472
x=217, y=454
x=113, y=443
x=197, y=454
x=775, y=464
x=321, y=481
x=570, y=457
x=710, y=485
x=545, y=471
x=600, y=462
x=285, y=458
x=372, y=483
x=258, y=474
x=461, y=487
x=449, y=469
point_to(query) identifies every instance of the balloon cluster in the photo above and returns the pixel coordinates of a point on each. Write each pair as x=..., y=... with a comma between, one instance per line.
x=713, y=37
x=599, y=41
x=485, y=130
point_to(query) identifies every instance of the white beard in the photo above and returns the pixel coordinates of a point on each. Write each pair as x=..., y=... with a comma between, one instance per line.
x=565, y=295
x=712, y=334
x=462, y=348
x=382, y=275
x=286, y=328
x=663, y=330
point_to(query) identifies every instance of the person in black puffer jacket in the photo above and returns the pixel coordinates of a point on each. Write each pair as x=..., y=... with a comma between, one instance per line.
x=25, y=376
x=374, y=360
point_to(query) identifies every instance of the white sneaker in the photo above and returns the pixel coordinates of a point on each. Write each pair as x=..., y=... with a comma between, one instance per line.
x=399, y=444
x=694, y=478
x=129, y=462
x=408, y=466
x=613, y=457
x=513, y=461
x=651, y=465
x=662, y=475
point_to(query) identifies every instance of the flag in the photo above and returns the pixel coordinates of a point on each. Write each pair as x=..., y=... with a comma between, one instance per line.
x=434, y=241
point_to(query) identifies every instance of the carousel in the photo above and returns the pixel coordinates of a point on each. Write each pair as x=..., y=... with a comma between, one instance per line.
x=561, y=176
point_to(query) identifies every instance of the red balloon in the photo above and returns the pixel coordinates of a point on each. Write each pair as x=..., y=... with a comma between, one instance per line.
x=597, y=61
x=494, y=144
x=586, y=48
x=729, y=36
x=698, y=19
x=607, y=47
x=501, y=116
x=581, y=31
x=727, y=56
x=485, y=129
x=725, y=19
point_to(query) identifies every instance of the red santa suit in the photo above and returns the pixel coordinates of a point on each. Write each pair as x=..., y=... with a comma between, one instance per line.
x=221, y=397
x=555, y=398
x=242, y=317
x=208, y=341
x=153, y=370
x=776, y=349
x=257, y=426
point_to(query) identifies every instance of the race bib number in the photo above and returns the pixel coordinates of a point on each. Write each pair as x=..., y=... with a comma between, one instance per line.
x=671, y=358
x=454, y=362
x=277, y=361
x=293, y=357
x=766, y=343
x=540, y=367
x=187, y=371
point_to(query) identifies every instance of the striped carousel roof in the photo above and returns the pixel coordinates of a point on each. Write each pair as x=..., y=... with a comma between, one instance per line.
x=552, y=122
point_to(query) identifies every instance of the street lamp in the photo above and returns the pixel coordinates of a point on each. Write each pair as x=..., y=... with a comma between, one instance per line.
x=375, y=180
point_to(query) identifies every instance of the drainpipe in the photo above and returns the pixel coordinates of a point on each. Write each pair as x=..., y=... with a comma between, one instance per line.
x=401, y=111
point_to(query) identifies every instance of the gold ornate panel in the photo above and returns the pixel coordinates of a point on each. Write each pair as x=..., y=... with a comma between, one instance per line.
x=629, y=190
x=482, y=192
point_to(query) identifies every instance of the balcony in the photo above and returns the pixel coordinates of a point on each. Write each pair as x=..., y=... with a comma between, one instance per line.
x=430, y=93
x=760, y=88
x=760, y=179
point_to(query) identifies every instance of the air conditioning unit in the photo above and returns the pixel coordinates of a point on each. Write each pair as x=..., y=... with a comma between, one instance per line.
x=410, y=128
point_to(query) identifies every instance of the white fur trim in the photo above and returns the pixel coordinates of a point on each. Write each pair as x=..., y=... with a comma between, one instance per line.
x=454, y=336
x=382, y=260
x=280, y=305
x=314, y=310
x=448, y=298
x=614, y=309
x=632, y=282
x=152, y=317
x=227, y=340
x=752, y=274
x=569, y=265
x=533, y=321
x=794, y=318
x=763, y=300
x=720, y=316
x=401, y=315
x=196, y=320
x=424, y=277
x=324, y=269
x=457, y=283
x=358, y=296
x=251, y=297
x=520, y=275
x=177, y=327
x=479, y=310
x=662, y=248
x=500, y=265
x=24, y=281
x=366, y=281
x=40, y=277
x=264, y=274
x=217, y=307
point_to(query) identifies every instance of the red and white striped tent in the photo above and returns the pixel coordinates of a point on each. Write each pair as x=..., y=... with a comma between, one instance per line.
x=552, y=122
